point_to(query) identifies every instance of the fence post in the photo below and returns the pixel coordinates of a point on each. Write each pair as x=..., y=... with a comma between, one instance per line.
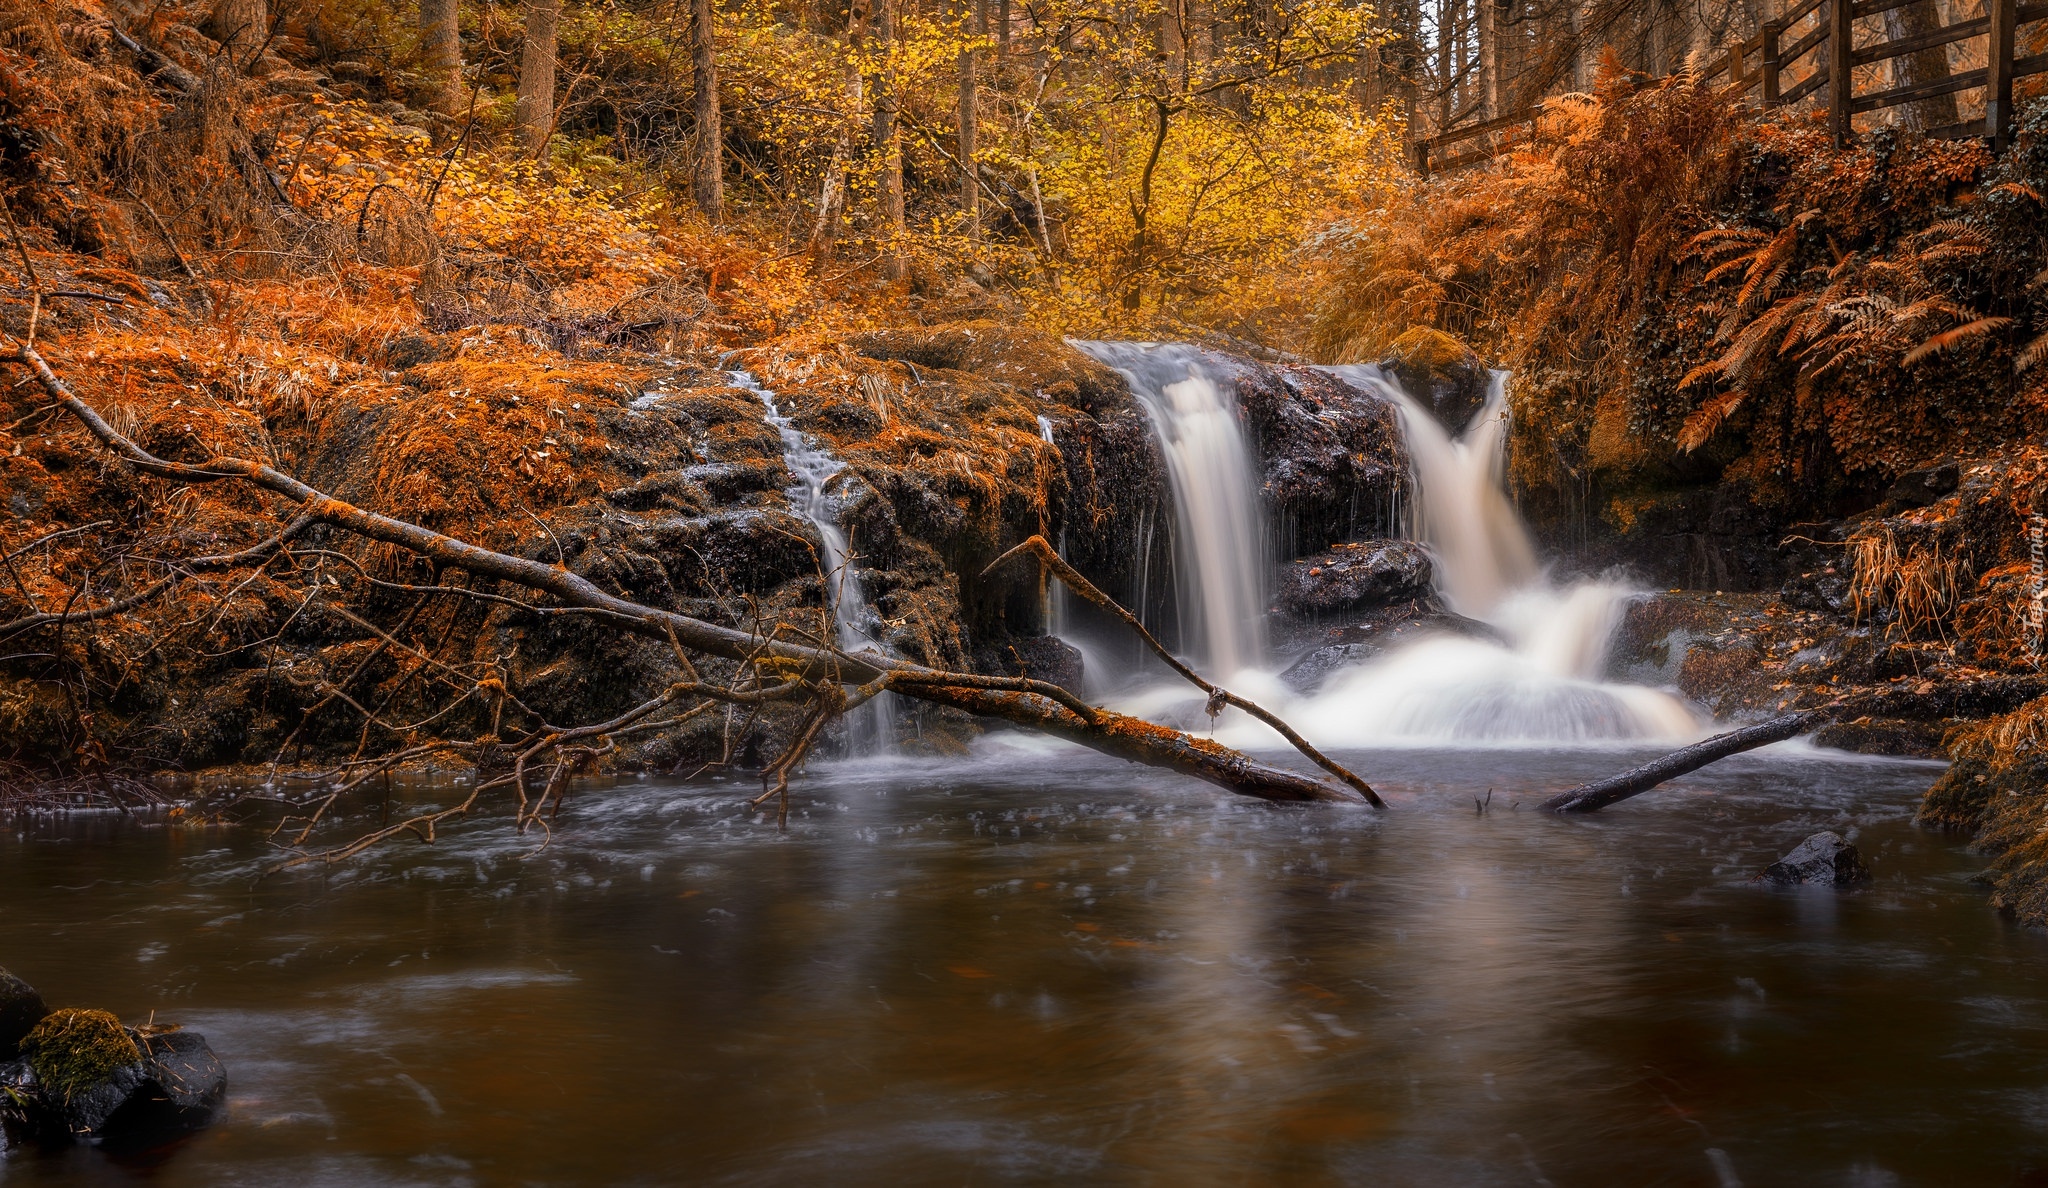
x=1998, y=72
x=1422, y=158
x=1770, y=56
x=1841, y=83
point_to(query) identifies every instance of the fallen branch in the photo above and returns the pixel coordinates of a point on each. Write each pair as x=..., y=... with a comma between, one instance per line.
x=1030, y=703
x=1218, y=696
x=1593, y=797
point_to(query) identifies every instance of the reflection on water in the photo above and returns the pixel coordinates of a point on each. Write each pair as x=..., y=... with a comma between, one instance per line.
x=1042, y=966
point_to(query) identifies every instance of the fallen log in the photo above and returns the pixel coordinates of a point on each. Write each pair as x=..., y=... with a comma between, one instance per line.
x=1029, y=703
x=1593, y=797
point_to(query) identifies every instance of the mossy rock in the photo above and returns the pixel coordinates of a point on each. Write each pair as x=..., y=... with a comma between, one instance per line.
x=1431, y=349
x=21, y=1008
x=73, y=1051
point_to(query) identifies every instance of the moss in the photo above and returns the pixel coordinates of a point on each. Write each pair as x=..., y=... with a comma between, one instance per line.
x=1958, y=799
x=73, y=1050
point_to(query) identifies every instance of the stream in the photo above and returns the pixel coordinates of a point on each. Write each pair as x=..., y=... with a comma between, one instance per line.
x=1036, y=965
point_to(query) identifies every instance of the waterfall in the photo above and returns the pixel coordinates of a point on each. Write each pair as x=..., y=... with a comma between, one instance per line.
x=872, y=727
x=1541, y=679
x=1219, y=530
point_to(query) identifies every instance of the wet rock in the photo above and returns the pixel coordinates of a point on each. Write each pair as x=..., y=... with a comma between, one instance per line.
x=1441, y=372
x=21, y=1008
x=1384, y=629
x=1824, y=589
x=1890, y=736
x=1355, y=575
x=1050, y=659
x=85, y=1077
x=1926, y=486
x=1825, y=858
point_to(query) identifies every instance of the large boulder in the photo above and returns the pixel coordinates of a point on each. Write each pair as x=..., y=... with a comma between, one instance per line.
x=1354, y=575
x=21, y=1008
x=1825, y=858
x=82, y=1076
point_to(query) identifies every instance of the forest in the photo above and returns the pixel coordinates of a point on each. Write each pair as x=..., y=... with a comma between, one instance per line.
x=857, y=467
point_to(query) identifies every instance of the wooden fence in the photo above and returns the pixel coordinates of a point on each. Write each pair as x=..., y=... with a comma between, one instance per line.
x=1811, y=50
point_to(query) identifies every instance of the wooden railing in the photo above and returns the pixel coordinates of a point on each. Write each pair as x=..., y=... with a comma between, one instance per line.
x=1812, y=47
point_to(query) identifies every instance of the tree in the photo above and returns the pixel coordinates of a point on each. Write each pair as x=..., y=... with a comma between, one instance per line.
x=1927, y=66
x=708, y=183
x=889, y=143
x=973, y=18
x=441, y=54
x=538, y=55
x=242, y=27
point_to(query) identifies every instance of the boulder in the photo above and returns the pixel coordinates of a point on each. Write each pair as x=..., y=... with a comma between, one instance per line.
x=83, y=1076
x=1385, y=628
x=1825, y=858
x=1050, y=659
x=1923, y=487
x=1445, y=375
x=21, y=1008
x=1355, y=575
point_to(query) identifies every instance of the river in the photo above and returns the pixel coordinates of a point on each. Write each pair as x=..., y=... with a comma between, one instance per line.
x=1036, y=965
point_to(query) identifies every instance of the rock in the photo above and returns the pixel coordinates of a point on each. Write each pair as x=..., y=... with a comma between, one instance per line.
x=21, y=1008
x=83, y=1076
x=1355, y=575
x=85, y=1065
x=1050, y=659
x=1823, y=858
x=184, y=1086
x=1442, y=373
x=1920, y=488
x=1387, y=628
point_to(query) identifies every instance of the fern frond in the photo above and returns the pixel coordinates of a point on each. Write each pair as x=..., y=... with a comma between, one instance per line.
x=1700, y=426
x=1949, y=338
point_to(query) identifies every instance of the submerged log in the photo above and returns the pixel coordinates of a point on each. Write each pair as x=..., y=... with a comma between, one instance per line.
x=1033, y=704
x=1593, y=797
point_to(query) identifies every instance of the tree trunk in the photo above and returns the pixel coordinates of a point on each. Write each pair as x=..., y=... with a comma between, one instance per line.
x=709, y=183
x=241, y=26
x=537, y=56
x=970, y=182
x=889, y=142
x=1489, y=60
x=441, y=55
x=1590, y=798
x=1929, y=65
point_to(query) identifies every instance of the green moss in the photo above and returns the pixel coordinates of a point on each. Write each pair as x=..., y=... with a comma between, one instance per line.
x=73, y=1050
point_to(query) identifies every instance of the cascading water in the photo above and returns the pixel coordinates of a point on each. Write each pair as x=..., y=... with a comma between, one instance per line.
x=1541, y=680
x=871, y=727
x=1219, y=536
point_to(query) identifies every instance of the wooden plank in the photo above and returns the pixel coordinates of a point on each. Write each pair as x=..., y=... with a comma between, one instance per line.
x=1998, y=58
x=1928, y=90
x=1797, y=13
x=1873, y=7
x=1813, y=82
x=1507, y=121
x=1769, y=49
x=2030, y=12
x=1792, y=53
x=1966, y=130
x=1841, y=82
x=1913, y=45
x=2022, y=67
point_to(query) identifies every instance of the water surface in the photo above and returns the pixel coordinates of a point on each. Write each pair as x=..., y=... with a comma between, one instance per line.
x=1042, y=966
